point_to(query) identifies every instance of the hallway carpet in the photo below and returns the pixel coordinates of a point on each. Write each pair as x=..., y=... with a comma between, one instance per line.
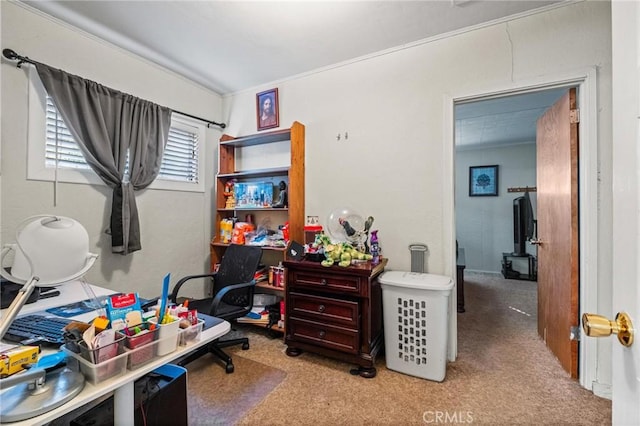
x=504, y=374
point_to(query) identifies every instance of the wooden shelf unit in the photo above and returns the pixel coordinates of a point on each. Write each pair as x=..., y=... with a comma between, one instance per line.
x=230, y=151
x=293, y=175
x=273, y=328
x=263, y=287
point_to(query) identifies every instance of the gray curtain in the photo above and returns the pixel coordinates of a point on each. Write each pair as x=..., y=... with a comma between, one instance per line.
x=107, y=124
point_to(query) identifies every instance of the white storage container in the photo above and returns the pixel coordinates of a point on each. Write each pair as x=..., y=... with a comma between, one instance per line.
x=416, y=318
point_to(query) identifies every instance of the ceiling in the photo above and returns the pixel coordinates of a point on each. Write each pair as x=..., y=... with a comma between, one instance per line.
x=502, y=121
x=231, y=46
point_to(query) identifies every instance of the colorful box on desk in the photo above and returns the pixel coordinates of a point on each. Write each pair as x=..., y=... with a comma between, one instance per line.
x=141, y=345
x=12, y=359
x=120, y=307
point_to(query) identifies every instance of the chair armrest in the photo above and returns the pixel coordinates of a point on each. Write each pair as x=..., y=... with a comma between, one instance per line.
x=174, y=294
x=218, y=297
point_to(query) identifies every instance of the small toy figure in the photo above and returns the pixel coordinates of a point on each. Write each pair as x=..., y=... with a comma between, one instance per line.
x=229, y=193
x=283, y=200
x=375, y=247
x=348, y=229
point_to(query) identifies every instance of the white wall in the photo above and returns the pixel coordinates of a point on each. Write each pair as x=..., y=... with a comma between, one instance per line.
x=175, y=226
x=395, y=165
x=484, y=225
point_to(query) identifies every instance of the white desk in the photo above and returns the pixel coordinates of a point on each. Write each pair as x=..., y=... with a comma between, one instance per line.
x=121, y=386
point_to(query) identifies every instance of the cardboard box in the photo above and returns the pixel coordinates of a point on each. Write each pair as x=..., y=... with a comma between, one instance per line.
x=12, y=360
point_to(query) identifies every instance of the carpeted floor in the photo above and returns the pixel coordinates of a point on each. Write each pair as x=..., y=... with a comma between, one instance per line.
x=233, y=394
x=503, y=375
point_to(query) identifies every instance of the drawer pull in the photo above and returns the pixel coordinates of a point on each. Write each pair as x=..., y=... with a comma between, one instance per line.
x=322, y=334
x=323, y=281
x=321, y=308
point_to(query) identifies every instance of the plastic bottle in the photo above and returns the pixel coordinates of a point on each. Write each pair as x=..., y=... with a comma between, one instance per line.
x=226, y=228
x=223, y=230
x=375, y=247
x=278, y=275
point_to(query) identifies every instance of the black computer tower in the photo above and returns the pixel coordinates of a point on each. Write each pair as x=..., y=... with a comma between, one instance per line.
x=160, y=399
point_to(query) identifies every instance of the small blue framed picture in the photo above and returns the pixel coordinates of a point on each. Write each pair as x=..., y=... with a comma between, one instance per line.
x=483, y=181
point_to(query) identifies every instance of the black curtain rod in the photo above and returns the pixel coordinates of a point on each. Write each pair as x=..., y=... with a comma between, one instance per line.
x=13, y=56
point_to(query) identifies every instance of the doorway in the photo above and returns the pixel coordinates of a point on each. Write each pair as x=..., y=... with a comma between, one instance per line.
x=497, y=131
x=587, y=203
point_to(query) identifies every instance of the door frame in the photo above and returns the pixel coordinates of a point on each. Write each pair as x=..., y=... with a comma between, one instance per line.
x=586, y=81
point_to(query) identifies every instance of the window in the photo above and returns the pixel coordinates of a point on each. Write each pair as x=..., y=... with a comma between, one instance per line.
x=180, y=170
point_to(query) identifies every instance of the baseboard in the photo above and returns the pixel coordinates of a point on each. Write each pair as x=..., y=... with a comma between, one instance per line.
x=477, y=271
x=602, y=390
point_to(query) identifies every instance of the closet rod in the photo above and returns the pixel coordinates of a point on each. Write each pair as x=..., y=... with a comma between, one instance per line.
x=13, y=56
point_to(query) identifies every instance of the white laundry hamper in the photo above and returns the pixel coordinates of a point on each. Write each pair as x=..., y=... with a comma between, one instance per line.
x=416, y=322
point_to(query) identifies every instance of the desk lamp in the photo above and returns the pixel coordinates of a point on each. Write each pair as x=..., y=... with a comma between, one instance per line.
x=49, y=250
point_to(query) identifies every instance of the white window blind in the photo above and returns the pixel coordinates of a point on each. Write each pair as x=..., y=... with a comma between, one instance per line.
x=60, y=141
x=180, y=161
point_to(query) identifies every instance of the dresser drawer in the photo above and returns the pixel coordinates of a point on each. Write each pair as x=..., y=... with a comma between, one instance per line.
x=324, y=309
x=344, y=284
x=329, y=336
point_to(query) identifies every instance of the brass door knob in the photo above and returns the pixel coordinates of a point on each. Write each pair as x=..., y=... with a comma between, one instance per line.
x=598, y=326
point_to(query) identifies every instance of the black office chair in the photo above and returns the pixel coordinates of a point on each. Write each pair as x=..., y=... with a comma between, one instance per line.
x=233, y=287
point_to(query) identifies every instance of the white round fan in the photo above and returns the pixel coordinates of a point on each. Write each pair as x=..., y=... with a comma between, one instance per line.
x=346, y=225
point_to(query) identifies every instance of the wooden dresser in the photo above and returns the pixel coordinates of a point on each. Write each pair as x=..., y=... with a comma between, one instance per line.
x=336, y=312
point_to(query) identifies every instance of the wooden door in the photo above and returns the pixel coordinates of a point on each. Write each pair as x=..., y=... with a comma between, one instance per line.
x=557, y=181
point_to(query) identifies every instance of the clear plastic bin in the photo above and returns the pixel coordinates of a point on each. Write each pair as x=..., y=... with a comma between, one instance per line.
x=141, y=350
x=97, y=373
x=102, y=354
x=416, y=319
x=191, y=334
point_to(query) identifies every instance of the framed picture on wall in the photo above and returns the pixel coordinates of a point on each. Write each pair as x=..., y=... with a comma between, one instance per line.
x=483, y=181
x=267, y=109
